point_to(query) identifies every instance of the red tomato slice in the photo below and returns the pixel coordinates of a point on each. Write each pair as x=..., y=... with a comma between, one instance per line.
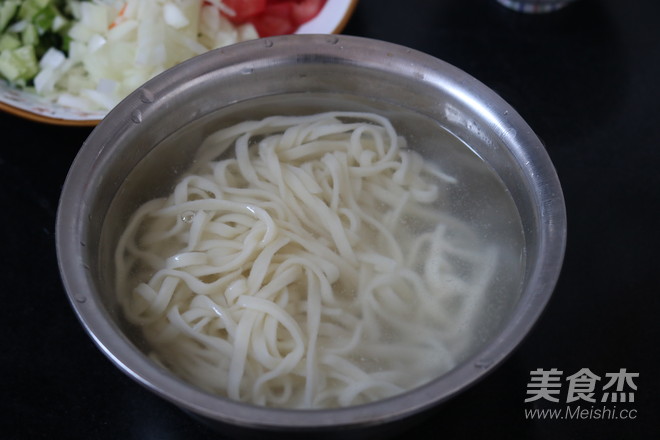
x=271, y=25
x=305, y=10
x=244, y=9
x=275, y=20
x=282, y=9
x=274, y=17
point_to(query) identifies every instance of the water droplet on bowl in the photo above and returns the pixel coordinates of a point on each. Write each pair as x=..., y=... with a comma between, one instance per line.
x=509, y=132
x=247, y=70
x=147, y=96
x=332, y=40
x=136, y=116
x=483, y=363
x=80, y=298
x=268, y=43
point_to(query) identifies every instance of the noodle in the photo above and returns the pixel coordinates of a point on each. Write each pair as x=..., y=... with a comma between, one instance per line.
x=312, y=269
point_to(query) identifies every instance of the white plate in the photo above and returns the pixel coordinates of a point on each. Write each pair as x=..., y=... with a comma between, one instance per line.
x=331, y=20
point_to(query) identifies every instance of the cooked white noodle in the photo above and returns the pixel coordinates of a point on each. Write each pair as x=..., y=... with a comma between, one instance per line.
x=313, y=268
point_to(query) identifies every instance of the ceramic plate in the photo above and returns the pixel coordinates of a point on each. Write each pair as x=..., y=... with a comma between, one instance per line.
x=330, y=20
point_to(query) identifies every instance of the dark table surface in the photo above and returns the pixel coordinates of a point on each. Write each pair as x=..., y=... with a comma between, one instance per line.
x=587, y=79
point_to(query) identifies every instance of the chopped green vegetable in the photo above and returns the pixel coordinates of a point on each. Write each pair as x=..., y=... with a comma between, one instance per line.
x=37, y=24
x=9, y=41
x=30, y=8
x=19, y=65
x=29, y=36
x=44, y=19
x=7, y=12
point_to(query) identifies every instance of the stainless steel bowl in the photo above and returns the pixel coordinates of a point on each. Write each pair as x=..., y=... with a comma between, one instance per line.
x=184, y=100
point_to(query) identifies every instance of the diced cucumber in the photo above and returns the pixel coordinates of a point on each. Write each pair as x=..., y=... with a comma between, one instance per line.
x=30, y=8
x=8, y=10
x=18, y=65
x=9, y=41
x=45, y=18
x=28, y=28
x=29, y=36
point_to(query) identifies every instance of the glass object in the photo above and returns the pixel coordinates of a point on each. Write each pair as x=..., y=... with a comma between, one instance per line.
x=535, y=6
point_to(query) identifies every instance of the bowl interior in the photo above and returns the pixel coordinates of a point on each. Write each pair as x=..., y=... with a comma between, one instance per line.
x=150, y=137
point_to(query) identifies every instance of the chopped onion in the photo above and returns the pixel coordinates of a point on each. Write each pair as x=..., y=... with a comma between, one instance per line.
x=95, y=43
x=52, y=59
x=174, y=16
x=116, y=46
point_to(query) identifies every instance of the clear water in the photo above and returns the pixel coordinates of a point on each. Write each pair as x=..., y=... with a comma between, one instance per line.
x=479, y=200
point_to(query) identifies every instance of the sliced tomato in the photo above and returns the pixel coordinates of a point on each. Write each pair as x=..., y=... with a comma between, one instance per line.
x=271, y=25
x=305, y=10
x=282, y=9
x=244, y=9
x=274, y=20
x=274, y=17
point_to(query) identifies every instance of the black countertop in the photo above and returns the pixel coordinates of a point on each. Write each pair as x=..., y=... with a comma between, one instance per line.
x=586, y=78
